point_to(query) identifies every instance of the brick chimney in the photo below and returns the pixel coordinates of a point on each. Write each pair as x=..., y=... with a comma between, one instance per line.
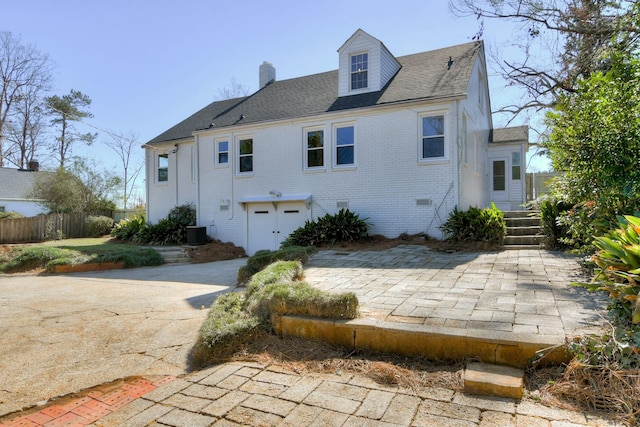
x=267, y=74
x=33, y=165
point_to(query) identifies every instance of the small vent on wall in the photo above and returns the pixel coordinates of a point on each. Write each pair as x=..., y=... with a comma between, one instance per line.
x=342, y=204
x=423, y=202
x=224, y=207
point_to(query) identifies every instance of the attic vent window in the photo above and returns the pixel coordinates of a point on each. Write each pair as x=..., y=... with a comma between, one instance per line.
x=359, y=71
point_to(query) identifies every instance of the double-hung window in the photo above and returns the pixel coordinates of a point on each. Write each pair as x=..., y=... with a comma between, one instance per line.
x=345, y=146
x=163, y=167
x=432, y=146
x=359, y=71
x=222, y=152
x=314, y=149
x=245, y=155
x=516, y=165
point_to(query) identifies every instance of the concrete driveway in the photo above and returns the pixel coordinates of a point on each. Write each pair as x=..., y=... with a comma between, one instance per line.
x=64, y=333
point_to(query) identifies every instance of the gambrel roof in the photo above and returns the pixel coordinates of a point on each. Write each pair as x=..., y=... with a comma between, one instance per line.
x=437, y=74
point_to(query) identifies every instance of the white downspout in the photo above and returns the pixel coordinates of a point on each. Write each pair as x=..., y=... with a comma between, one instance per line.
x=196, y=164
x=177, y=180
x=146, y=183
x=456, y=162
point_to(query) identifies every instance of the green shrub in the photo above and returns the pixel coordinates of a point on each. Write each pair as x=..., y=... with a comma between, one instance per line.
x=344, y=226
x=171, y=230
x=551, y=209
x=98, y=225
x=128, y=228
x=618, y=268
x=475, y=225
x=184, y=215
x=10, y=215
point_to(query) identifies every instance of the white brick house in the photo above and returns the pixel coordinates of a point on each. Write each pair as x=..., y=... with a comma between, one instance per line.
x=400, y=141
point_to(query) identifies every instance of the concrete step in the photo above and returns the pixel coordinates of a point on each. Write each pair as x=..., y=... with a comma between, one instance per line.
x=523, y=240
x=520, y=214
x=494, y=380
x=521, y=247
x=522, y=222
x=530, y=230
x=432, y=342
x=172, y=254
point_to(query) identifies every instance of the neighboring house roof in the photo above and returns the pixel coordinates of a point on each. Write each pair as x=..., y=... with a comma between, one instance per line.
x=436, y=74
x=16, y=184
x=510, y=135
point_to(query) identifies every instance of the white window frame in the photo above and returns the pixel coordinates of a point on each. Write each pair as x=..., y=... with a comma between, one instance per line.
x=158, y=167
x=445, y=136
x=305, y=148
x=516, y=163
x=239, y=155
x=368, y=71
x=217, y=152
x=334, y=145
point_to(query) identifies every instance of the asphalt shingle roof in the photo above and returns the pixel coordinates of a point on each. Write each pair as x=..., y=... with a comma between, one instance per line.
x=16, y=184
x=511, y=134
x=422, y=76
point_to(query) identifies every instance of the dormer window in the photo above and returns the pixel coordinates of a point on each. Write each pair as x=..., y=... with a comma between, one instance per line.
x=359, y=71
x=366, y=65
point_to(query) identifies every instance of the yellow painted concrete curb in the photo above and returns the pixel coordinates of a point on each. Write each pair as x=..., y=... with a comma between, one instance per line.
x=495, y=347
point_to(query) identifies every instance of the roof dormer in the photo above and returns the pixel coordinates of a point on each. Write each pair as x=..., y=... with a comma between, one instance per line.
x=366, y=65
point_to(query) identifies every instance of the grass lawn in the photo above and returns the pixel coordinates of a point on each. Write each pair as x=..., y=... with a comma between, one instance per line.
x=46, y=255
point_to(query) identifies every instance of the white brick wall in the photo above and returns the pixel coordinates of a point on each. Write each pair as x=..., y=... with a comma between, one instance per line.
x=383, y=186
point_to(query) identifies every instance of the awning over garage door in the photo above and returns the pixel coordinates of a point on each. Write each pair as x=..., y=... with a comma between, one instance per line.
x=275, y=197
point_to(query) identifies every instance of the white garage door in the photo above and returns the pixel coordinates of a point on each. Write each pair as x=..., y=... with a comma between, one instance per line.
x=271, y=223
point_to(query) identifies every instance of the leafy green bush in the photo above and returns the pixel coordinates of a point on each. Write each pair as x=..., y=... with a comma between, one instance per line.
x=128, y=228
x=98, y=225
x=344, y=226
x=10, y=215
x=183, y=214
x=475, y=225
x=581, y=222
x=171, y=230
x=261, y=259
x=618, y=268
x=551, y=209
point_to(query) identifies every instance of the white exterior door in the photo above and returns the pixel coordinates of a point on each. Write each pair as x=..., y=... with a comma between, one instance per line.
x=499, y=180
x=271, y=223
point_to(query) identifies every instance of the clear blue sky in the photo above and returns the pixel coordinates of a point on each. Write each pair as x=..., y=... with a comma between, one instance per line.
x=148, y=64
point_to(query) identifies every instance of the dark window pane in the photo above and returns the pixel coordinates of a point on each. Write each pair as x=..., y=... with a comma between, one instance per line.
x=432, y=147
x=223, y=146
x=515, y=172
x=345, y=136
x=432, y=126
x=315, y=139
x=163, y=167
x=345, y=155
x=223, y=157
x=246, y=146
x=246, y=164
x=499, y=175
x=315, y=158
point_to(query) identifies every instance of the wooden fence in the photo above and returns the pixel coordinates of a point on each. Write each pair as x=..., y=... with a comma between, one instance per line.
x=44, y=227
